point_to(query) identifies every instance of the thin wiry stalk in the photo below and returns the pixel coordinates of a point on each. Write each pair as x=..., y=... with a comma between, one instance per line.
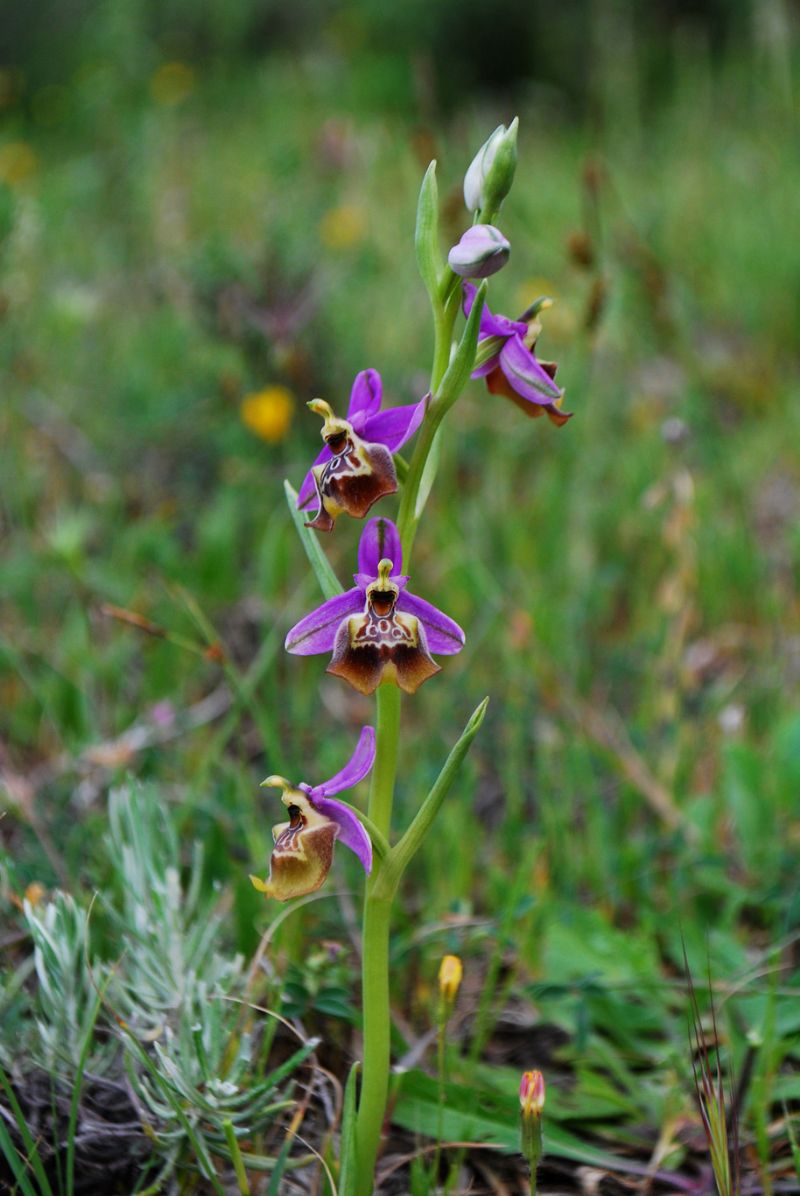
x=721, y=1128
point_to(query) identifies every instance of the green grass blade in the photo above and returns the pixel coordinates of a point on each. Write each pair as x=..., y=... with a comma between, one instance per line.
x=17, y=1165
x=494, y=1120
x=78, y=1086
x=347, y=1153
x=31, y=1147
x=236, y=1158
x=199, y=1147
x=274, y=1188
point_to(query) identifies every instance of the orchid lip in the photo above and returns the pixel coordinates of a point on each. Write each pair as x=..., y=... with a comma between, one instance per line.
x=303, y=851
x=378, y=552
x=370, y=429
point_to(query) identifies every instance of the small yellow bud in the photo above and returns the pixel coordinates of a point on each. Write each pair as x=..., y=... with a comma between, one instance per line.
x=450, y=974
x=531, y=1094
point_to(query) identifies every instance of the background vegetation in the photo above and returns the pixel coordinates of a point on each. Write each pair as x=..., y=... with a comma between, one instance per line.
x=201, y=204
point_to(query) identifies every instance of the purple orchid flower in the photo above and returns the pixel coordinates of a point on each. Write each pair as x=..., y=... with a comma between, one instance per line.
x=377, y=631
x=513, y=369
x=355, y=468
x=303, y=851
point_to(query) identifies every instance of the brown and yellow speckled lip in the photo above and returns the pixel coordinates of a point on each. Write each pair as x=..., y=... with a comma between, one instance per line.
x=352, y=481
x=373, y=649
x=303, y=851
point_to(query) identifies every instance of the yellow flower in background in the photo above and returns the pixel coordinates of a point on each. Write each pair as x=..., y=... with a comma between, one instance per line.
x=172, y=83
x=17, y=162
x=342, y=226
x=268, y=413
x=35, y=893
x=451, y=972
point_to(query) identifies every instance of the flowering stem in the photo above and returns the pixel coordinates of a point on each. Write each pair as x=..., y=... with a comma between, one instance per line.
x=381, y=794
x=449, y=375
x=377, y=1033
x=375, y=949
x=408, y=517
x=443, y=340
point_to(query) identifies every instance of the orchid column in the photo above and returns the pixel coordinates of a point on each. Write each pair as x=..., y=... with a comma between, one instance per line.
x=382, y=638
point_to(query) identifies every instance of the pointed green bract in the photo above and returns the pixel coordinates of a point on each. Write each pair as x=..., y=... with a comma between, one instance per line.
x=426, y=236
x=401, y=855
x=328, y=581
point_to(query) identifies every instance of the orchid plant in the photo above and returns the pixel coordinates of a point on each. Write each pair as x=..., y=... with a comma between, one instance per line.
x=381, y=638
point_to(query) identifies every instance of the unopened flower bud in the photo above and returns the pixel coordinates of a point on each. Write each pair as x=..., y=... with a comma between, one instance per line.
x=450, y=973
x=531, y=1100
x=491, y=172
x=483, y=250
x=531, y=1094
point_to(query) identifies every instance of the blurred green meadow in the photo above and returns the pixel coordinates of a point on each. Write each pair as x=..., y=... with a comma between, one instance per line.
x=192, y=244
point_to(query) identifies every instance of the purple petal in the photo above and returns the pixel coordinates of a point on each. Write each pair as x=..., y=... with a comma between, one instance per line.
x=380, y=540
x=396, y=425
x=445, y=637
x=308, y=488
x=491, y=325
x=351, y=829
x=354, y=770
x=317, y=631
x=365, y=397
x=525, y=375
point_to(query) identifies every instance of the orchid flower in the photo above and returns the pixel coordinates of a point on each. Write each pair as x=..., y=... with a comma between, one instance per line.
x=303, y=851
x=512, y=369
x=377, y=631
x=355, y=468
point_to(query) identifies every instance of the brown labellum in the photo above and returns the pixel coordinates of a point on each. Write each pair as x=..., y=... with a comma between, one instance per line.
x=382, y=645
x=352, y=480
x=302, y=855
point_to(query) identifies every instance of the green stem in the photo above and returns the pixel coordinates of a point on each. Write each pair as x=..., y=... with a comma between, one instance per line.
x=447, y=379
x=407, y=518
x=441, y=1067
x=444, y=318
x=375, y=950
x=449, y=374
x=377, y=1035
x=442, y=346
x=384, y=770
